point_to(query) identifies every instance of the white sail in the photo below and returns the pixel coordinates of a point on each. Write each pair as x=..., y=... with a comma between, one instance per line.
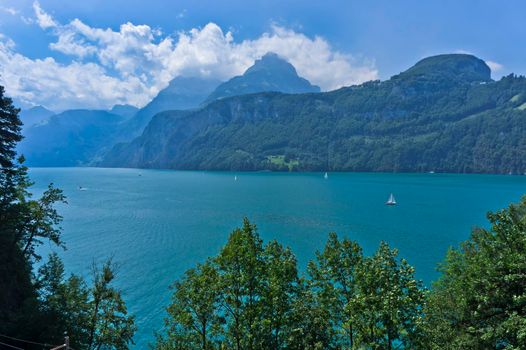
x=326, y=176
x=391, y=200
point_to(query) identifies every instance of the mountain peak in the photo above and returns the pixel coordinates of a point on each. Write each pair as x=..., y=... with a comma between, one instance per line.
x=35, y=115
x=124, y=110
x=272, y=62
x=269, y=73
x=459, y=67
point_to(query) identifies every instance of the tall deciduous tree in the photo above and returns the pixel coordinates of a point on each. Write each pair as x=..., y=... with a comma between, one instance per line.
x=110, y=326
x=479, y=302
x=94, y=317
x=388, y=303
x=334, y=276
x=66, y=303
x=241, y=268
x=278, y=296
x=194, y=321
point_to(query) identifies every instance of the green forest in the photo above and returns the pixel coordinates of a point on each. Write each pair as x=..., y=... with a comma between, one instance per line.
x=444, y=114
x=252, y=295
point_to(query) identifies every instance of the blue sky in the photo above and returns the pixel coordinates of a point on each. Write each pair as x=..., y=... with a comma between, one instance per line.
x=72, y=54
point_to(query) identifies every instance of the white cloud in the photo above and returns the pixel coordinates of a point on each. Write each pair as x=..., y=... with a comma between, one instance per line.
x=57, y=86
x=494, y=66
x=131, y=64
x=44, y=20
x=9, y=10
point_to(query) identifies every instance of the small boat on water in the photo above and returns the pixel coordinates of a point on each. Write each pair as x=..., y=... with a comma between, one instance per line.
x=235, y=178
x=82, y=188
x=326, y=176
x=391, y=200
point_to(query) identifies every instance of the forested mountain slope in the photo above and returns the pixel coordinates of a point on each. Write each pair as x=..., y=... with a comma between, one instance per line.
x=444, y=114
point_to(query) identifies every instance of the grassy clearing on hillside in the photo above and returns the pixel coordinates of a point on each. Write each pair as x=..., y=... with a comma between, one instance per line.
x=279, y=160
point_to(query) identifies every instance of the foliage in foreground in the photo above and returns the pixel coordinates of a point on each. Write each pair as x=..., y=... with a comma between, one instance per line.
x=250, y=296
x=42, y=306
x=479, y=302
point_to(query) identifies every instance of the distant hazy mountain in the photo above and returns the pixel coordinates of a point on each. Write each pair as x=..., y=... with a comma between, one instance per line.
x=182, y=93
x=71, y=138
x=80, y=137
x=444, y=114
x=35, y=115
x=124, y=110
x=270, y=73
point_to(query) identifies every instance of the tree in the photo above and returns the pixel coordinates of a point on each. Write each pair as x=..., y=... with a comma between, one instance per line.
x=10, y=130
x=43, y=307
x=334, y=277
x=388, y=304
x=40, y=220
x=278, y=296
x=479, y=302
x=66, y=303
x=94, y=317
x=251, y=297
x=23, y=223
x=241, y=267
x=110, y=326
x=312, y=327
x=193, y=320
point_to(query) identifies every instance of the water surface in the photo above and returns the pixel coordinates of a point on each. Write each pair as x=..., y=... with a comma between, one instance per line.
x=156, y=224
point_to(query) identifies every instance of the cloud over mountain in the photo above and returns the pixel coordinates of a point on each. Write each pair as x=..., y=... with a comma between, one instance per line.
x=132, y=64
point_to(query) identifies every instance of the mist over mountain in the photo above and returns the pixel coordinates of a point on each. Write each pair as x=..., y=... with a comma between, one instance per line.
x=270, y=73
x=443, y=114
x=182, y=93
x=124, y=110
x=35, y=115
x=70, y=138
x=86, y=137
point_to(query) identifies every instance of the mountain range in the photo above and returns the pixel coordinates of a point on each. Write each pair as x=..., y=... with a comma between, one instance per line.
x=78, y=137
x=444, y=114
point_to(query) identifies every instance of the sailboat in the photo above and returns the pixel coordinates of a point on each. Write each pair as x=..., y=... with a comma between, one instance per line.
x=326, y=176
x=391, y=200
x=235, y=178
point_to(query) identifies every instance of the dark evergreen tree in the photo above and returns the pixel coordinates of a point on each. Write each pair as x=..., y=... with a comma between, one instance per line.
x=42, y=308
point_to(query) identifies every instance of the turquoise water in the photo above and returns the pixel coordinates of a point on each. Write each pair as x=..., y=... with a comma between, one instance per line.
x=163, y=222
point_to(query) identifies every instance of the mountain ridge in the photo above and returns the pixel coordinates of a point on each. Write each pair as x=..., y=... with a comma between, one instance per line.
x=419, y=121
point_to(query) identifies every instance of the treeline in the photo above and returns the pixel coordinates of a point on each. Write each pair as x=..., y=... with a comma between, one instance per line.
x=38, y=308
x=250, y=296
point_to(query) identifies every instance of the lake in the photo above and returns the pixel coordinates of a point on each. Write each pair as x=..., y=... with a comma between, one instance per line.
x=156, y=224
